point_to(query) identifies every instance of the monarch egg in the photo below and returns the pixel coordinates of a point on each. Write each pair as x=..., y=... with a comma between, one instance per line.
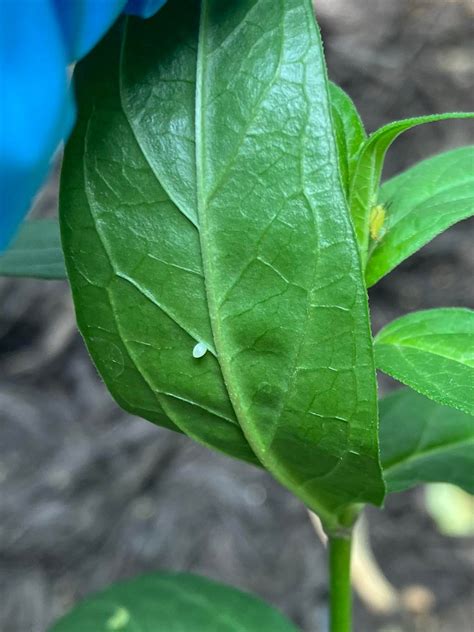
x=199, y=350
x=376, y=221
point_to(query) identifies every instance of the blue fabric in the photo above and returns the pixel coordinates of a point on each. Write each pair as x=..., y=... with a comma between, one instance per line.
x=143, y=8
x=83, y=22
x=38, y=39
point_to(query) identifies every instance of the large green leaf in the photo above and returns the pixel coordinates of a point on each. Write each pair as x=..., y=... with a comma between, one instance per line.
x=201, y=203
x=422, y=442
x=368, y=170
x=421, y=203
x=433, y=352
x=35, y=252
x=168, y=602
x=349, y=131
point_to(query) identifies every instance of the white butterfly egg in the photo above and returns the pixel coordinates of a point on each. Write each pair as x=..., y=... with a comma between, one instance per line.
x=199, y=350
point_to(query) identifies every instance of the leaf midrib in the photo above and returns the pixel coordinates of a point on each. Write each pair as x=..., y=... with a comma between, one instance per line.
x=413, y=174
x=415, y=455
x=251, y=119
x=400, y=346
x=169, y=193
x=155, y=391
x=202, y=201
x=426, y=204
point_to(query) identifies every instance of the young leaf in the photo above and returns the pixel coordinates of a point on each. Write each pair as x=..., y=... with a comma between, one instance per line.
x=35, y=252
x=433, y=352
x=421, y=203
x=422, y=442
x=162, y=602
x=201, y=202
x=349, y=131
x=368, y=170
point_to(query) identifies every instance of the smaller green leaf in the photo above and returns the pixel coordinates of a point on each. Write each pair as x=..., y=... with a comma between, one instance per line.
x=368, y=170
x=423, y=442
x=433, y=353
x=349, y=131
x=162, y=602
x=36, y=252
x=420, y=203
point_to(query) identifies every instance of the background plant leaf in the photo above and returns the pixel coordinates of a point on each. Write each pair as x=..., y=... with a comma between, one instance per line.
x=422, y=441
x=368, y=171
x=349, y=131
x=162, y=602
x=421, y=203
x=432, y=352
x=35, y=252
x=163, y=237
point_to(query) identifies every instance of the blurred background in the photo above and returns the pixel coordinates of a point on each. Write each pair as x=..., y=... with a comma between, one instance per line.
x=90, y=495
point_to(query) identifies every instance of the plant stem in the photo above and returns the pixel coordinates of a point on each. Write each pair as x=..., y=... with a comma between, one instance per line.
x=340, y=596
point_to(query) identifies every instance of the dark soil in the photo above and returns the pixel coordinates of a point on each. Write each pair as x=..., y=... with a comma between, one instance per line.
x=90, y=494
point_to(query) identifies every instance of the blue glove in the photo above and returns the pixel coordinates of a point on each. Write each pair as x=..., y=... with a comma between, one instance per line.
x=38, y=39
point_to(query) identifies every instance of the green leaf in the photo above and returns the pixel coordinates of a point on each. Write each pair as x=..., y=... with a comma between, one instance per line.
x=349, y=131
x=35, y=252
x=432, y=352
x=287, y=306
x=422, y=442
x=162, y=602
x=201, y=202
x=368, y=171
x=420, y=203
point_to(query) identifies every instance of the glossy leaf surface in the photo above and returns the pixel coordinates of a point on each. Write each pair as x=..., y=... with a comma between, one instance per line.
x=162, y=602
x=422, y=441
x=35, y=252
x=420, y=203
x=432, y=352
x=202, y=203
x=368, y=171
x=349, y=131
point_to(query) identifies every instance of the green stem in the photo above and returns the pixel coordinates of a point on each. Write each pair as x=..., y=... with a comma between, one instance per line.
x=340, y=596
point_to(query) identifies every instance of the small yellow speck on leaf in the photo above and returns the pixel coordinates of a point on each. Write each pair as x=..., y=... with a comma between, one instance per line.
x=118, y=620
x=376, y=221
